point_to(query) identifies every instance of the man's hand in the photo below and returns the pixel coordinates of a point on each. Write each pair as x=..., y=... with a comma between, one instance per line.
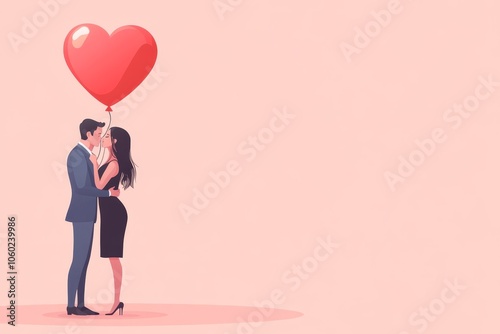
x=115, y=192
x=93, y=158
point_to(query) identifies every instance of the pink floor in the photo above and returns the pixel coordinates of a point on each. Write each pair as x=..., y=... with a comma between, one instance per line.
x=152, y=315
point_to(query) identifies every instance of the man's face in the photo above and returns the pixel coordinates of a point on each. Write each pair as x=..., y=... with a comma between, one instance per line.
x=95, y=138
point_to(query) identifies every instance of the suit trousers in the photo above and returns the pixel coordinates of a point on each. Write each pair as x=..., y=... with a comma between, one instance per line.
x=83, y=235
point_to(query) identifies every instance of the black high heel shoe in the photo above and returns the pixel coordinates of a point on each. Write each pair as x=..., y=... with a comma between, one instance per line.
x=120, y=307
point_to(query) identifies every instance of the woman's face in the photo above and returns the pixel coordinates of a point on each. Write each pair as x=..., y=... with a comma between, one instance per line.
x=106, y=140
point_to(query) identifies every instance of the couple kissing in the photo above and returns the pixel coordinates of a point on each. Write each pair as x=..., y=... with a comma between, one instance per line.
x=91, y=183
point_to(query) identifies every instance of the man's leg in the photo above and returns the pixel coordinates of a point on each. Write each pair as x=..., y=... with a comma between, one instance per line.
x=83, y=277
x=82, y=237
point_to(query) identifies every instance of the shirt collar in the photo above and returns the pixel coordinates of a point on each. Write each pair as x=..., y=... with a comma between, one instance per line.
x=85, y=147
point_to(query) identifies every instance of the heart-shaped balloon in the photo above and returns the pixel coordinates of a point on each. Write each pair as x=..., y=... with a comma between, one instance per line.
x=109, y=66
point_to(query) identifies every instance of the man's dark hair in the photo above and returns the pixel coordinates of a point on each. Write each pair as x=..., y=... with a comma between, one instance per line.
x=89, y=125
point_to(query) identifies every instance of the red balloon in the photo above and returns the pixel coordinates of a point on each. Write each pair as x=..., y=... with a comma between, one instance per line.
x=109, y=66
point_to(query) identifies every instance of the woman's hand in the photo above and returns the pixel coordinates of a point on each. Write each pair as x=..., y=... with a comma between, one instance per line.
x=93, y=159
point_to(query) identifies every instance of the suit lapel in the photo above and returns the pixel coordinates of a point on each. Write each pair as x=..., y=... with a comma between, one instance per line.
x=90, y=167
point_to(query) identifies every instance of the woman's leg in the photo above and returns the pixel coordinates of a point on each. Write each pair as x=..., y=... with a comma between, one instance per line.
x=117, y=276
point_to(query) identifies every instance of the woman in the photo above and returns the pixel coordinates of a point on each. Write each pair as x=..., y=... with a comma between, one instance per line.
x=119, y=168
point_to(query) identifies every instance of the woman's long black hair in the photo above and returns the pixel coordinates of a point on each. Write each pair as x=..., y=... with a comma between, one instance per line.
x=121, y=150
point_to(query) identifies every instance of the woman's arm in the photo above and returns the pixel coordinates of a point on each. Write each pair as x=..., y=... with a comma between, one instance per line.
x=109, y=172
x=78, y=167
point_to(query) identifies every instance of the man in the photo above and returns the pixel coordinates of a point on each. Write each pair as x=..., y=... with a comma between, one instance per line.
x=82, y=211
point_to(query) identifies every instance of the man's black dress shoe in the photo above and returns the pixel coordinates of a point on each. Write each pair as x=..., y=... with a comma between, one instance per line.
x=87, y=311
x=75, y=311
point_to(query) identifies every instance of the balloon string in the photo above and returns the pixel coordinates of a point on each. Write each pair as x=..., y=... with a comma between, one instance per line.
x=100, y=146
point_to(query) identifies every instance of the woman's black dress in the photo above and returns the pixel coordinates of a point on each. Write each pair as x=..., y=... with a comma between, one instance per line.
x=113, y=219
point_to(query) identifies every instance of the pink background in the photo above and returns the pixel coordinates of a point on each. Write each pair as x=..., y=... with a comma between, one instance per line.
x=323, y=175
